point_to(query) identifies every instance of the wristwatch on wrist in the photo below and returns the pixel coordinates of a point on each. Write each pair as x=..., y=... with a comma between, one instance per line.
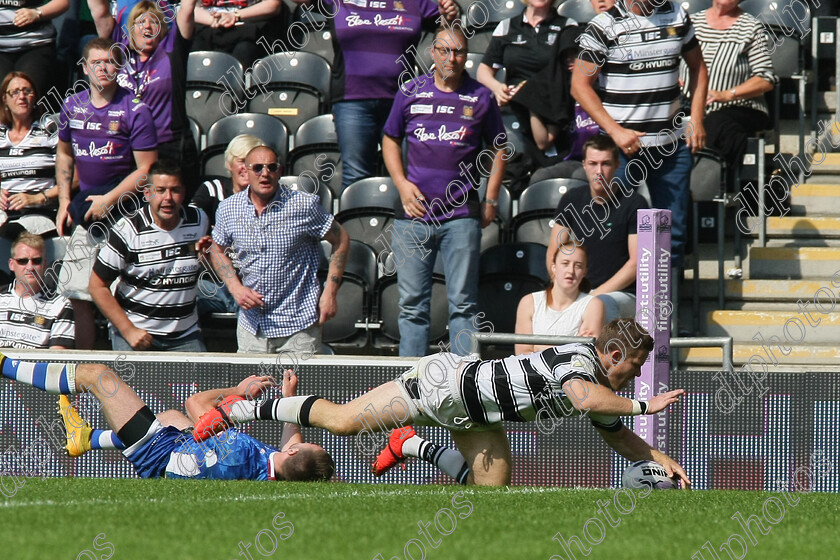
x=38, y=11
x=491, y=202
x=734, y=95
x=237, y=15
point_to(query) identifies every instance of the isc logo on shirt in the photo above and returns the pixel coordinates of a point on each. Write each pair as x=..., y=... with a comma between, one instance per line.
x=446, y=109
x=377, y=4
x=15, y=151
x=94, y=126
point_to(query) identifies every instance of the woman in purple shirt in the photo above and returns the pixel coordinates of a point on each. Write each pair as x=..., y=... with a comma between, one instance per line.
x=157, y=44
x=370, y=39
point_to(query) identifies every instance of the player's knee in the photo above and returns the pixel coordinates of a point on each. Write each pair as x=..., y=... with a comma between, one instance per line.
x=88, y=374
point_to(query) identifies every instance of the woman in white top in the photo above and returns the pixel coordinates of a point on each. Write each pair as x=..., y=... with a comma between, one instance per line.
x=564, y=308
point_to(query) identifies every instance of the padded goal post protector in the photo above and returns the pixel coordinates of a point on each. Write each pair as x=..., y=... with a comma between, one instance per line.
x=653, y=312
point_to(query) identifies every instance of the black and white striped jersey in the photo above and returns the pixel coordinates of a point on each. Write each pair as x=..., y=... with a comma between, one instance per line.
x=42, y=320
x=16, y=39
x=517, y=388
x=639, y=60
x=28, y=167
x=732, y=57
x=157, y=269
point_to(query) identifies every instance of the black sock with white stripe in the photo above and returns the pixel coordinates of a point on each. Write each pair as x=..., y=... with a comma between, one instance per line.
x=287, y=409
x=448, y=460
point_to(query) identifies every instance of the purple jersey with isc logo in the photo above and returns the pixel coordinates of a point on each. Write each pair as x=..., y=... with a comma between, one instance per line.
x=104, y=138
x=369, y=36
x=445, y=133
x=160, y=80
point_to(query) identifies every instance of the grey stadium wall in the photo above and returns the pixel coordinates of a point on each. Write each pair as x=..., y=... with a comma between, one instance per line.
x=753, y=445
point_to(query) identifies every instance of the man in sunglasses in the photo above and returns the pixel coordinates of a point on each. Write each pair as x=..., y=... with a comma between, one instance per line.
x=273, y=235
x=33, y=314
x=154, y=254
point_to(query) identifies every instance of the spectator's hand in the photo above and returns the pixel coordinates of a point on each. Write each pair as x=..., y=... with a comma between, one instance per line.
x=246, y=298
x=502, y=93
x=19, y=201
x=255, y=385
x=25, y=16
x=203, y=244
x=98, y=209
x=627, y=140
x=290, y=382
x=412, y=200
x=488, y=214
x=226, y=19
x=716, y=96
x=697, y=139
x=448, y=9
x=138, y=338
x=328, y=306
x=63, y=217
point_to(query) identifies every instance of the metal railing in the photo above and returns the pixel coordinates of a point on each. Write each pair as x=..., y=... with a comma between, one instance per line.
x=479, y=338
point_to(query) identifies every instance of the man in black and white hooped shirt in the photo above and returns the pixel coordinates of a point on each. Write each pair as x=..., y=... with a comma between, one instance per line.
x=626, y=79
x=33, y=314
x=155, y=255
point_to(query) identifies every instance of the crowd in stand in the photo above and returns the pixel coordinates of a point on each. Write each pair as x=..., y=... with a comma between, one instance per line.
x=593, y=101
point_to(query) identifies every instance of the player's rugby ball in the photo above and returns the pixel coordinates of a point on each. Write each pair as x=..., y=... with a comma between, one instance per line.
x=642, y=474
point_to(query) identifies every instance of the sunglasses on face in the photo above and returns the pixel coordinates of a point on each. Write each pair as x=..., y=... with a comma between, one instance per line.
x=258, y=167
x=24, y=261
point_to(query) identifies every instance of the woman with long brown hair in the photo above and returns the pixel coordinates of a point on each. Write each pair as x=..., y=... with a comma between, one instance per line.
x=565, y=308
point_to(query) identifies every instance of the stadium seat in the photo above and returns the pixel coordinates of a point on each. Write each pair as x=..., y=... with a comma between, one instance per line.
x=291, y=86
x=269, y=129
x=314, y=138
x=494, y=234
x=388, y=305
x=353, y=295
x=483, y=17
x=215, y=87
x=579, y=10
x=309, y=183
x=313, y=32
x=537, y=205
x=198, y=136
x=506, y=273
x=785, y=32
x=367, y=208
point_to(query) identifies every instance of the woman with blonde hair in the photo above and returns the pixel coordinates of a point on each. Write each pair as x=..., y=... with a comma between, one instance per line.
x=156, y=45
x=564, y=308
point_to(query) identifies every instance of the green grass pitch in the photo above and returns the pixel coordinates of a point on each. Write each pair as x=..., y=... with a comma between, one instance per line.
x=98, y=519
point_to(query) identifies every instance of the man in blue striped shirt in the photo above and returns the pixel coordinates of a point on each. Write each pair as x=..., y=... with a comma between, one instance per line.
x=273, y=235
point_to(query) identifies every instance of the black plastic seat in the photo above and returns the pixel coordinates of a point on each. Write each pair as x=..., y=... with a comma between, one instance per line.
x=367, y=208
x=537, y=207
x=268, y=129
x=388, y=306
x=354, y=295
x=506, y=273
x=309, y=183
x=290, y=86
x=215, y=87
x=316, y=151
x=579, y=10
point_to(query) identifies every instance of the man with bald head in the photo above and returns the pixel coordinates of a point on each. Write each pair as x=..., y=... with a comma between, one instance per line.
x=271, y=235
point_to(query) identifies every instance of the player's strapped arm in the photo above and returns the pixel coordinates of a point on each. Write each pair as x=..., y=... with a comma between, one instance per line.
x=632, y=447
x=586, y=396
